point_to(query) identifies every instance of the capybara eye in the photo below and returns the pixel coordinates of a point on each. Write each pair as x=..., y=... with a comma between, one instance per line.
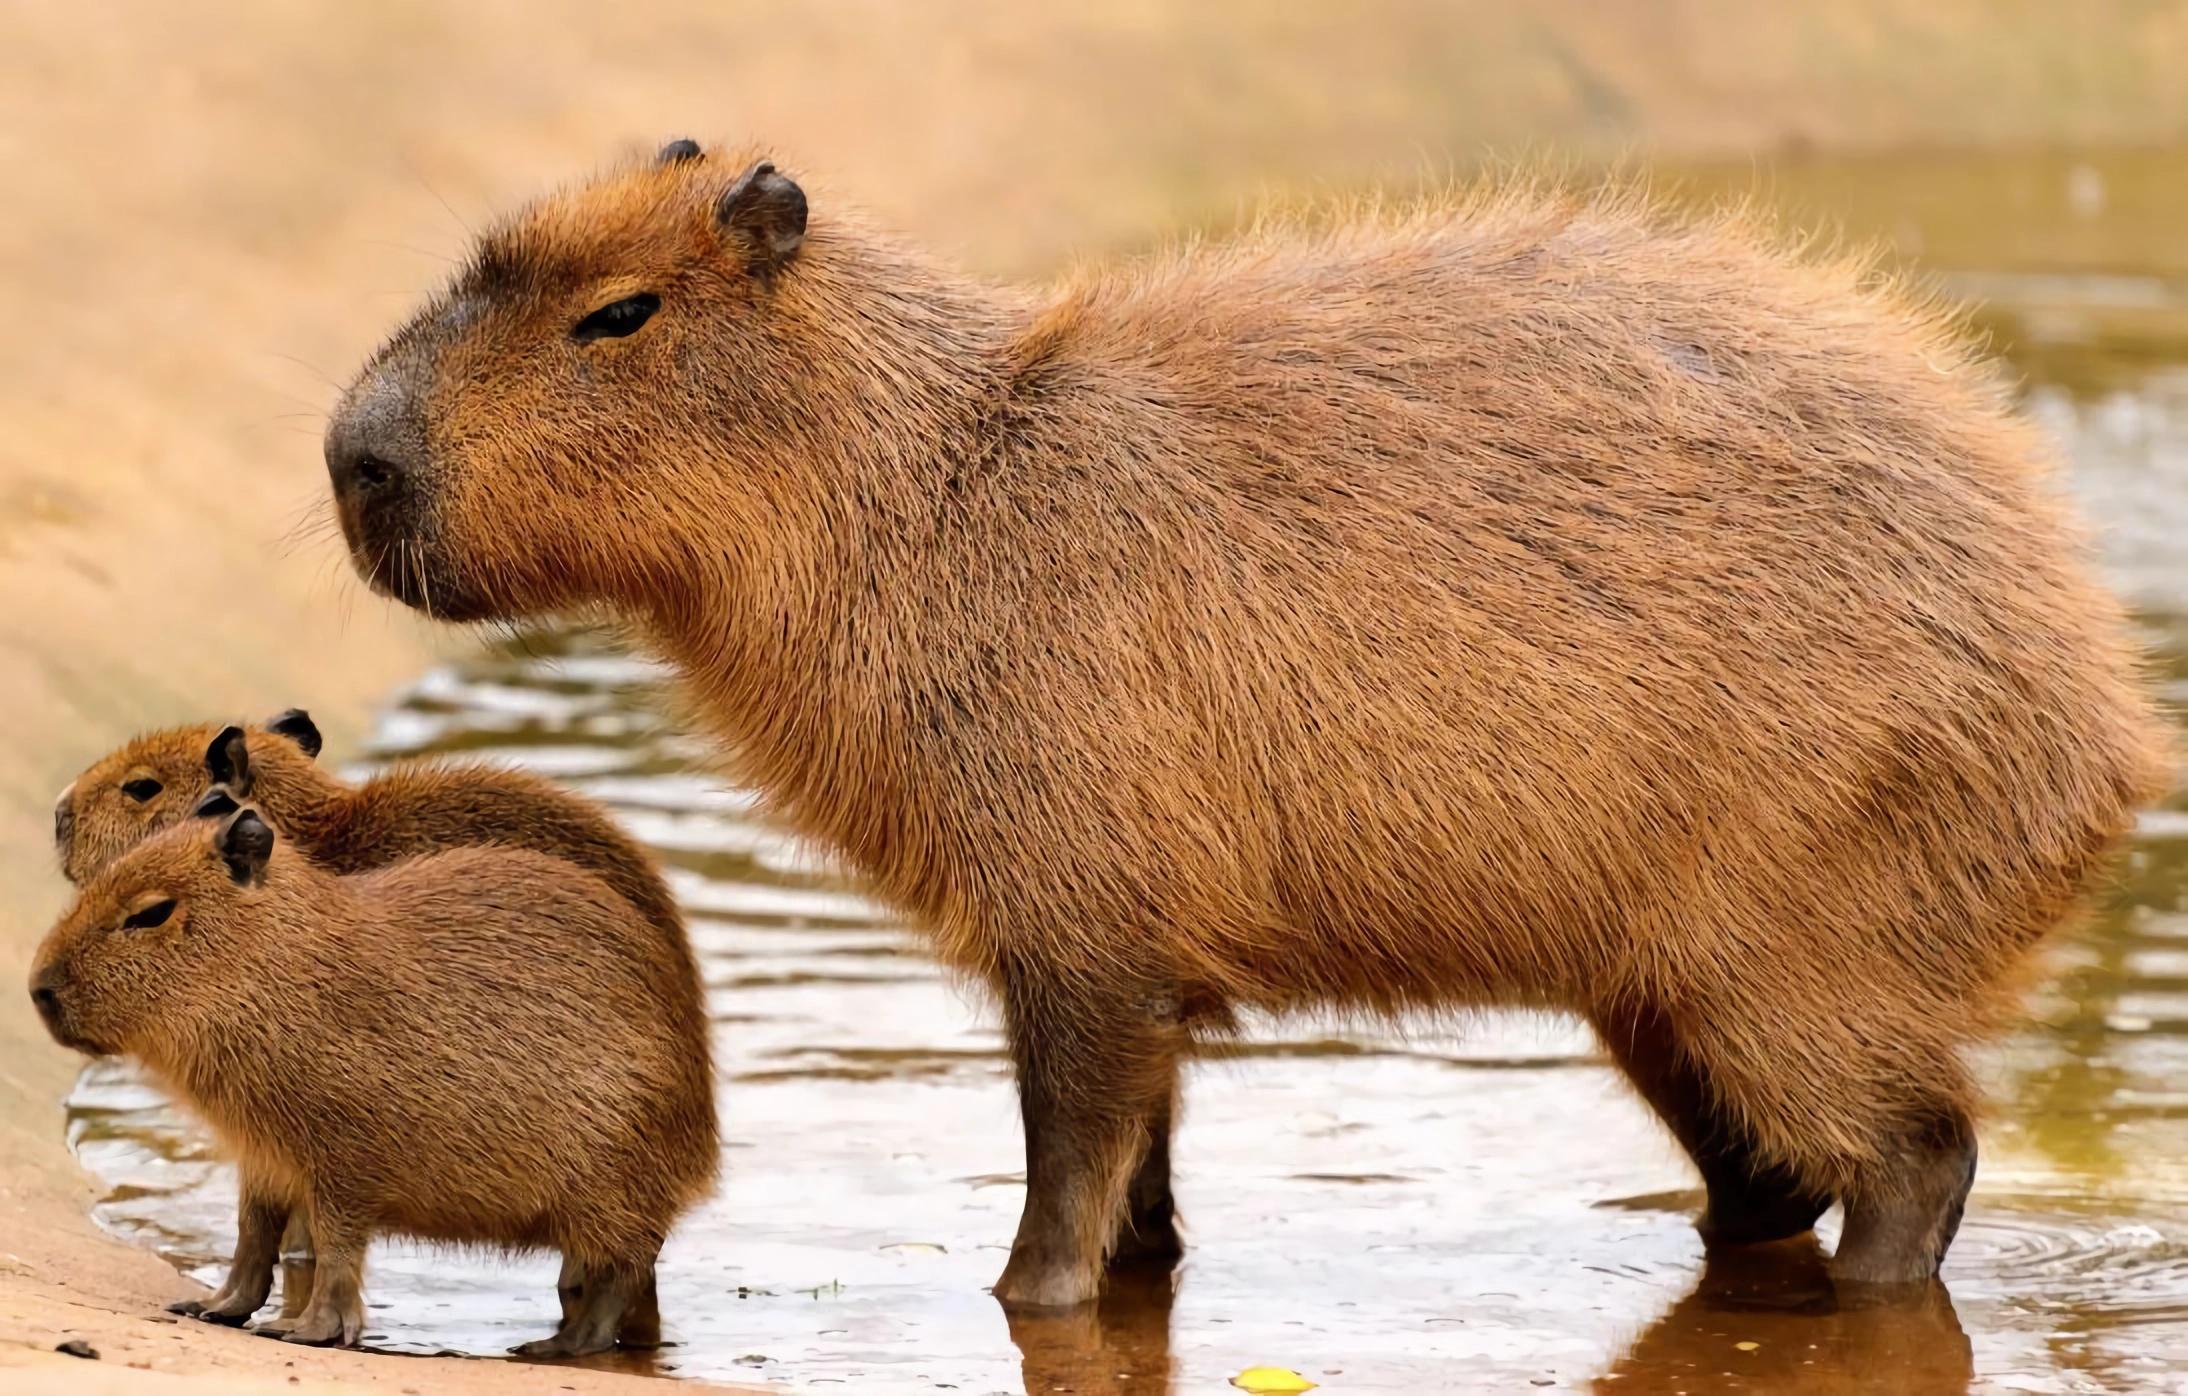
x=153, y=915
x=615, y=320
x=141, y=789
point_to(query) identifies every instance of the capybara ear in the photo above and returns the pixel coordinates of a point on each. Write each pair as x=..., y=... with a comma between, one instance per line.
x=297, y=726
x=246, y=842
x=214, y=804
x=676, y=152
x=228, y=760
x=766, y=210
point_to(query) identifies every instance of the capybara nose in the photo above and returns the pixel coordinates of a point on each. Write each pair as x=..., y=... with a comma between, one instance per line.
x=48, y=1002
x=64, y=817
x=376, y=442
x=358, y=470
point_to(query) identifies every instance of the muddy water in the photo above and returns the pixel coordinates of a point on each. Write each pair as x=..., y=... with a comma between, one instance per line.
x=1481, y=1208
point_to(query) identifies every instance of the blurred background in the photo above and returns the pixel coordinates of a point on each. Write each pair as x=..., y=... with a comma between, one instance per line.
x=212, y=213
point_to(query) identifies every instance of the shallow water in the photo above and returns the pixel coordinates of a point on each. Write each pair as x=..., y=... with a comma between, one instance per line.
x=1475, y=1209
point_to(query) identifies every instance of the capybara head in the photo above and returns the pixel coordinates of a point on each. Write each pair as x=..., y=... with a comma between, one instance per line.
x=154, y=928
x=605, y=359
x=157, y=779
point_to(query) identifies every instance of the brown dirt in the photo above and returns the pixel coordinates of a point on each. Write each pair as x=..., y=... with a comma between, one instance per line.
x=212, y=209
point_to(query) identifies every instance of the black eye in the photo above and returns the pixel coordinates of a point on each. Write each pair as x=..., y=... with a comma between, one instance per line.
x=141, y=789
x=153, y=915
x=616, y=320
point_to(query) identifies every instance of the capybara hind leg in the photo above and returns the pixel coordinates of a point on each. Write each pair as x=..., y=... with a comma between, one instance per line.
x=1905, y=1210
x=611, y=1290
x=335, y=1317
x=1149, y=1238
x=259, y=1220
x=642, y=1321
x=1093, y=1071
x=1751, y=1199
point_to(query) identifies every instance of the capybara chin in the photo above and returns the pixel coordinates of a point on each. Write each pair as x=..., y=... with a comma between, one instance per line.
x=469, y=1047
x=1522, y=599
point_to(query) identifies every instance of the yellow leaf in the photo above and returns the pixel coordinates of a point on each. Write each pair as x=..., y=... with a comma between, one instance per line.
x=1271, y=1379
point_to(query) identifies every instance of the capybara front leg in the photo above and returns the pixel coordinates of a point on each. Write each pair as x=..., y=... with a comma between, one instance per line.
x=335, y=1316
x=1149, y=1237
x=1095, y=1067
x=260, y=1216
x=1904, y=1212
x=1751, y=1199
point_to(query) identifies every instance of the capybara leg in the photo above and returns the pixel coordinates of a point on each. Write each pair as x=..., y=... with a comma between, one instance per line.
x=570, y=1289
x=1149, y=1237
x=611, y=1290
x=1751, y=1199
x=296, y=1263
x=642, y=1321
x=1093, y=1071
x=259, y=1220
x=335, y=1317
x=1904, y=1211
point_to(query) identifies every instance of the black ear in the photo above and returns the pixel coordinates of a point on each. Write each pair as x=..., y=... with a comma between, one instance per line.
x=228, y=760
x=297, y=726
x=213, y=804
x=676, y=152
x=767, y=211
x=246, y=842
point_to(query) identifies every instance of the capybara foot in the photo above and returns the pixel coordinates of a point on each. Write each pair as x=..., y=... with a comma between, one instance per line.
x=1033, y=1282
x=1148, y=1242
x=234, y=1315
x=316, y=1328
x=1769, y=1206
x=564, y=1344
x=1899, y=1226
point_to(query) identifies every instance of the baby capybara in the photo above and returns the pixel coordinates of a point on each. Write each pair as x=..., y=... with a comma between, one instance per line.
x=1523, y=599
x=470, y=1047
x=409, y=808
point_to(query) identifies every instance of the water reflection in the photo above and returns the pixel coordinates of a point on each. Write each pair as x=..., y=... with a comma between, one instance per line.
x=1768, y=1319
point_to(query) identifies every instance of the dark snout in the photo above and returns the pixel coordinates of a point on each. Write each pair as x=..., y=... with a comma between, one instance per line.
x=384, y=476
x=45, y=996
x=376, y=450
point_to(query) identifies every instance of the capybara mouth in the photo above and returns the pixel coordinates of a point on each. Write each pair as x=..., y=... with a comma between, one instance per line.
x=55, y=1017
x=410, y=570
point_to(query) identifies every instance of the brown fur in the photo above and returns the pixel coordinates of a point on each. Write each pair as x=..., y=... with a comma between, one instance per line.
x=1522, y=599
x=410, y=808
x=483, y=1046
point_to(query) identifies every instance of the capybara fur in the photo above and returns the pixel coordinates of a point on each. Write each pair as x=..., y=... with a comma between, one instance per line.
x=407, y=809
x=1522, y=599
x=472, y=1046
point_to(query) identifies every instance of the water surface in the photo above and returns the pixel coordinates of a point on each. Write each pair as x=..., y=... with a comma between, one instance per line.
x=1468, y=1207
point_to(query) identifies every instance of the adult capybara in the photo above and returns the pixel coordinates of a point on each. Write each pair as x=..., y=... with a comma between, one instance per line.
x=1524, y=599
x=471, y=1046
x=407, y=809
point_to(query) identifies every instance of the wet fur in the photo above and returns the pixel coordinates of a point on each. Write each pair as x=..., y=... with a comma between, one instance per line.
x=482, y=1046
x=1521, y=599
